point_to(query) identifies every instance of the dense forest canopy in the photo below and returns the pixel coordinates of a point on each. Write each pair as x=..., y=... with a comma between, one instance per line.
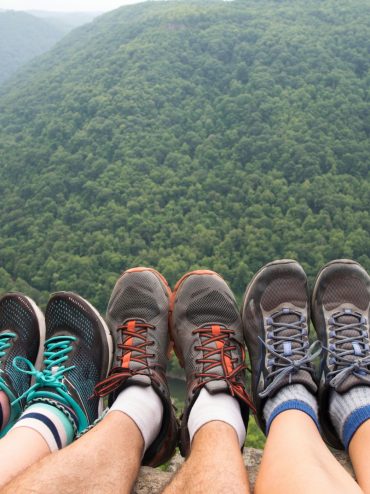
x=23, y=37
x=187, y=134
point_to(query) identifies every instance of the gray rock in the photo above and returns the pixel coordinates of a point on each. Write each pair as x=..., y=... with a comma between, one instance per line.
x=153, y=480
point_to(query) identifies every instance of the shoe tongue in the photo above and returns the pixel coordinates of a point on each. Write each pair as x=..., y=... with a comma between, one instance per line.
x=140, y=380
x=286, y=347
x=134, y=342
x=356, y=349
x=354, y=346
x=215, y=345
x=216, y=387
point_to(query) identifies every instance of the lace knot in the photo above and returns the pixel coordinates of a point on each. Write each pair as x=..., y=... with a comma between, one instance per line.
x=55, y=354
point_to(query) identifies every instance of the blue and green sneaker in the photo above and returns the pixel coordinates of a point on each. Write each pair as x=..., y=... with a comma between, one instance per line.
x=22, y=334
x=77, y=355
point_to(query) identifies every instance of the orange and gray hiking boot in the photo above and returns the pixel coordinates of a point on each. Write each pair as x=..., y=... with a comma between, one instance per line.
x=138, y=318
x=208, y=336
x=340, y=313
x=275, y=316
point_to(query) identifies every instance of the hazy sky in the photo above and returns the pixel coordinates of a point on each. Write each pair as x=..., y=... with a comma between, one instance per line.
x=65, y=5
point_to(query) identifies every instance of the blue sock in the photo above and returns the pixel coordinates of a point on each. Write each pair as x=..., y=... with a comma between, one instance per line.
x=290, y=397
x=348, y=411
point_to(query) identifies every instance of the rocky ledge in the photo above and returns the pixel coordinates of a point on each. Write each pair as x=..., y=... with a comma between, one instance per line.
x=153, y=480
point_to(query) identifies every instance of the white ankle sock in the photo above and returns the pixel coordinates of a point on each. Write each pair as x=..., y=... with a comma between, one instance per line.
x=220, y=406
x=50, y=422
x=144, y=407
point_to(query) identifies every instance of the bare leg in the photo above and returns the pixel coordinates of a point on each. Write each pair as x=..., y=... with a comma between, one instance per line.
x=19, y=449
x=359, y=452
x=107, y=459
x=214, y=465
x=296, y=459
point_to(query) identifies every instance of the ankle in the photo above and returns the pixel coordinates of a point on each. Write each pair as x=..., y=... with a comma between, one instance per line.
x=217, y=433
x=348, y=411
x=292, y=397
x=4, y=410
x=145, y=409
x=216, y=408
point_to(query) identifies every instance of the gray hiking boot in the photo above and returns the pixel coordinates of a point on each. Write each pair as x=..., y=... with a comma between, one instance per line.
x=138, y=318
x=275, y=316
x=340, y=313
x=208, y=336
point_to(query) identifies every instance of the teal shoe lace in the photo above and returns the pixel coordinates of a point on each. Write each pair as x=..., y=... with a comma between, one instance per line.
x=52, y=376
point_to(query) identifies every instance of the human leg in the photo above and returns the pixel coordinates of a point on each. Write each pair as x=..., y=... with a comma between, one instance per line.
x=275, y=316
x=341, y=301
x=296, y=459
x=57, y=401
x=207, y=332
x=22, y=333
x=140, y=426
x=214, y=464
x=105, y=460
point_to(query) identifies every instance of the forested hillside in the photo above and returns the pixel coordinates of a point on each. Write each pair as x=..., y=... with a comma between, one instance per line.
x=23, y=37
x=187, y=134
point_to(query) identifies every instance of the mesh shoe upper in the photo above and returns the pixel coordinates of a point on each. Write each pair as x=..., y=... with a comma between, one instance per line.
x=22, y=333
x=78, y=351
x=340, y=312
x=275, y=317
x=138, y=317
x=207, y=333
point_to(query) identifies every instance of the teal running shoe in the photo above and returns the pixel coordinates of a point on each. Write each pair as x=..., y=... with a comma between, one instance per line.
x=77, y=355
x=22, y=333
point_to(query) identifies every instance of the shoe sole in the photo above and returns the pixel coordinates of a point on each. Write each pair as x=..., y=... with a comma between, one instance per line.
x=261, y=270
x=198, y=272
x=108, y=336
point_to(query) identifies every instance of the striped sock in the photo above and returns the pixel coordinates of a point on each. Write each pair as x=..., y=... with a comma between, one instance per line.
x=291, y=397
x=348, y=411
x=4, y=410
x=50, y=422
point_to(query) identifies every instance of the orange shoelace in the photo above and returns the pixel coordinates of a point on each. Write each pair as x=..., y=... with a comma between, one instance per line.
x=221, y=355
x=130, y=330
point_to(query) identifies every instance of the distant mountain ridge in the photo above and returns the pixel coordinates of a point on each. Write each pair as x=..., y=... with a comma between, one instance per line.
x=185, y=135
x=23, y=37
x=65, y=20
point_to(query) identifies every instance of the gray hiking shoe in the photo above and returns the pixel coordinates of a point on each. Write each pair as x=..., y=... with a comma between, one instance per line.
x=340, y=313
x=138, y=318
x=275, y=316
x=208, y=336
